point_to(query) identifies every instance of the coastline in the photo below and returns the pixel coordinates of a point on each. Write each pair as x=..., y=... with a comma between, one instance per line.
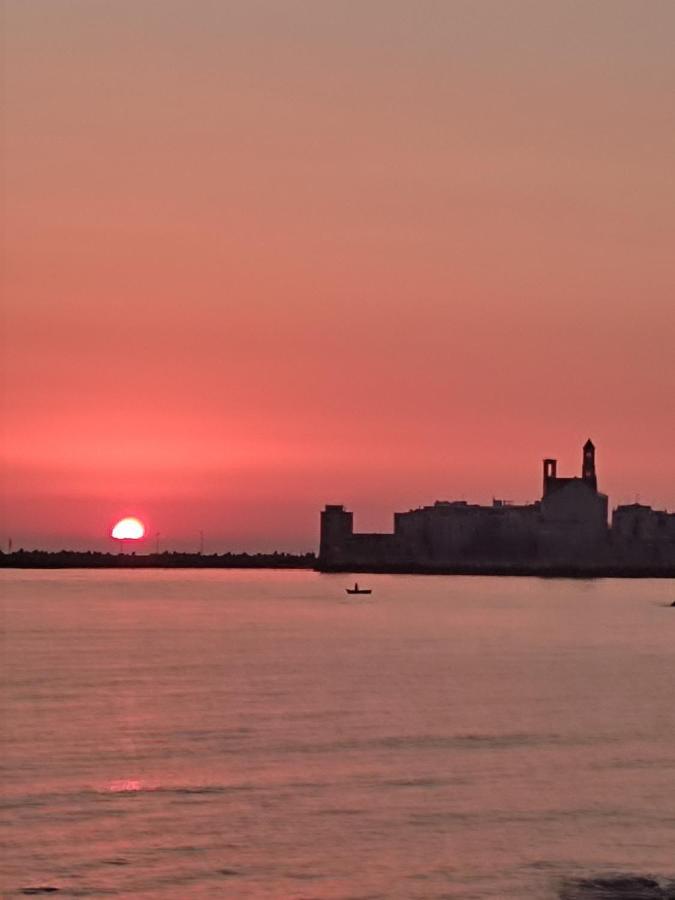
x=43, y=559
x=72, y=559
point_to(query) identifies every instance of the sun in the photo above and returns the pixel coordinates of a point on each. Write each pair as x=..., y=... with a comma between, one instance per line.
x=128, y=529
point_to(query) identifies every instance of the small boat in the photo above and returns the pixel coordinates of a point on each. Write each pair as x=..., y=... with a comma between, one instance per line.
x=357, y=590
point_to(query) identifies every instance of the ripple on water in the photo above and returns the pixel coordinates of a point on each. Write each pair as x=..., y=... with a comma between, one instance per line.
x=618, y=887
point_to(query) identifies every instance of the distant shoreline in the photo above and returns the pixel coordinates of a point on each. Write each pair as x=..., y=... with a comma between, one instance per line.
x=73, y=559
x=514, y=571
x=68, y=559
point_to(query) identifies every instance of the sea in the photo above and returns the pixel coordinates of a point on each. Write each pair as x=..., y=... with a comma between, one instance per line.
x=262, y=734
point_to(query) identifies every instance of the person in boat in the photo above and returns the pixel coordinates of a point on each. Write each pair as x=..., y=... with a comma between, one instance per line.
x=357, y=590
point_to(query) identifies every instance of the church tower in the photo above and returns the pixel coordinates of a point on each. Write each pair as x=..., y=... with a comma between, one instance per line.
x=588, y=465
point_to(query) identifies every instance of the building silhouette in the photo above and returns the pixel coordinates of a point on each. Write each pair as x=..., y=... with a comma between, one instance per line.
x=567, y=527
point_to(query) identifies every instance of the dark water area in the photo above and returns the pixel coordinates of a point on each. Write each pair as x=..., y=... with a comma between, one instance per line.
x=260, y=734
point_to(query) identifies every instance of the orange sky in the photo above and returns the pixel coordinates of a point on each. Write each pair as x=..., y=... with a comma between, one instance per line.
x=259, y=256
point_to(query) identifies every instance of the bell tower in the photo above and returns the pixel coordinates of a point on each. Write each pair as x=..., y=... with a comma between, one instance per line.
x=550, y=474
x=588, y=465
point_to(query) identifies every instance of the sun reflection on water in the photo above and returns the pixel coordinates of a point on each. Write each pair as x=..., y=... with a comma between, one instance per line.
x=128, y=785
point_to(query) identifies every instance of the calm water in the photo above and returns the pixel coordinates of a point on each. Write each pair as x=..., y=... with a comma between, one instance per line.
x=259, y=734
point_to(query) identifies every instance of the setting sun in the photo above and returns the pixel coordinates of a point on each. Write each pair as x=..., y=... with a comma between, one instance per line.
x=128, y=529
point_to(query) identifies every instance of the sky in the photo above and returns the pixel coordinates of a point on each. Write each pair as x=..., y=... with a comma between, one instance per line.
x=259, y=256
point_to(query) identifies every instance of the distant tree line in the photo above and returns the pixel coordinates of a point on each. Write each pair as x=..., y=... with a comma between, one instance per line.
x=93, y=559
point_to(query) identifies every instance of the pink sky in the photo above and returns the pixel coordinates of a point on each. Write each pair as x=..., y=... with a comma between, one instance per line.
x=259, y=256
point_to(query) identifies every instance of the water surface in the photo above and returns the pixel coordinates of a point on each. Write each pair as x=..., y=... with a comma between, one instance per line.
x=259, y=734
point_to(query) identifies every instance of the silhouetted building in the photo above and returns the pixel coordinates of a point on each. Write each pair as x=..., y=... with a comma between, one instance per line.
x=641, y=534
x=573, y=514
x=567, y=527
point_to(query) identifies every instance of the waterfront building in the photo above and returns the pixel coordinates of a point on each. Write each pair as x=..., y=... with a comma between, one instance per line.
x=568, y=526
